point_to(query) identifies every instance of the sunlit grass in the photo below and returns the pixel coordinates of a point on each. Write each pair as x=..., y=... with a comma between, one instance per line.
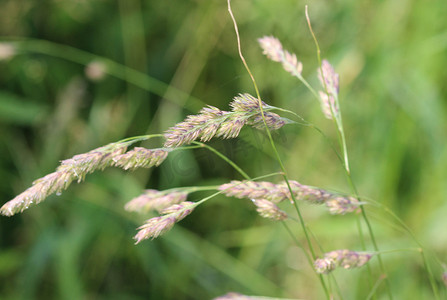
x=392, y=70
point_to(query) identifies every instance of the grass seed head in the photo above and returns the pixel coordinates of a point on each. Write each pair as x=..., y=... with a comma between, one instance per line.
x=155, y=200
x=345, y=258
x=140, y=158
x=269, y=210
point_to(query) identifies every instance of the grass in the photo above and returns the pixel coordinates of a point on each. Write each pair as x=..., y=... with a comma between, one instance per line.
x=163, y=57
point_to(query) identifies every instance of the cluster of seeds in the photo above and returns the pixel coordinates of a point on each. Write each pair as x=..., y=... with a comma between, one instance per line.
x=77, y=167
x=213, y=122
x=276, y=193
x=344, y=258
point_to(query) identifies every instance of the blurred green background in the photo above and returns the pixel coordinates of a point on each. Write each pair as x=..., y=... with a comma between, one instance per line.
x=164, y=60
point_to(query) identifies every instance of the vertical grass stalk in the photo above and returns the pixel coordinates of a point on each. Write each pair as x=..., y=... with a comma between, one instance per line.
x=272, y=143
x=342, y=140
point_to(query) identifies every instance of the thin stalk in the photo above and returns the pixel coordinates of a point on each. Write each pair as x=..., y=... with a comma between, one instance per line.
x=362, y=242
x=267, y=130
x=230, y=162
x=308, y=124
x=237, y=168
x=421, y=248
x=139, y=138
x=339, y=125
x=309, y=259
x=192, y=189
x=373, y=291
x=401, y=250
x=220, y=192
x=337, y=287
x=272, y=143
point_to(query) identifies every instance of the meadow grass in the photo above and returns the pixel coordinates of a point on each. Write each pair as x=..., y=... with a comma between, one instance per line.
x=322, y=248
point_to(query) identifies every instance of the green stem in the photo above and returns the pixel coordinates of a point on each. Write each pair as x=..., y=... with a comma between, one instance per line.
x=272, y=143
x=337, y=287
x=308, y=124
x=362, y=242
x=237, y=168
x=139, y=138
x=424, y=256
x=192, y=189
x=308, y=258
x=303, y=225
x=339, y=125
x=230, y=162
x=375, y=287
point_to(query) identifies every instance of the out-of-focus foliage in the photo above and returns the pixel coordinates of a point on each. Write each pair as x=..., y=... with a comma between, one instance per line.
x=391, y=56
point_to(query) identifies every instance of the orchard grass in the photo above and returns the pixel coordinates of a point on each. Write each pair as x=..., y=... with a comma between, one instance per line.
x=278, y=201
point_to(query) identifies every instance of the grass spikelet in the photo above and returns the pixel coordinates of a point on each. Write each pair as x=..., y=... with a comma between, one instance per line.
x=211, y=122
x=345, y=258
x=231, y=128
x=273, y=49
x=273, y=121
x=279, y=192
x=182, y=209
x=71, y=169
x=330, y=82
x=154, y=227
x=77, y=167
x=255, y=190
x=140, y=158
x=97, y=159
x=157, y=226
x=247, y=103
x=342, y=205
x=55, y=182
x=155, y=200
x=269, y=210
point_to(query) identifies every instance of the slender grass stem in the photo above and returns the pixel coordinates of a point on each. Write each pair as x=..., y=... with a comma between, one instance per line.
x=308, y=258
x=237, y=168
x=310, y=125
x=272, y=143
x=230, y=162
x=373, y=291
x=267, y=130
x=139, y=138
x=362, y=242
x=342, y=140
x=331, y=275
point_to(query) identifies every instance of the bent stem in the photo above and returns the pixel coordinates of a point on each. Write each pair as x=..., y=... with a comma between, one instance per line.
x=342, y=140
x=272, y=143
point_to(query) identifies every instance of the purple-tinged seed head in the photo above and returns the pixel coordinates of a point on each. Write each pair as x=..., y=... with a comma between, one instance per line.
x=344, y=258
x=269, y=210
x=272, y=48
